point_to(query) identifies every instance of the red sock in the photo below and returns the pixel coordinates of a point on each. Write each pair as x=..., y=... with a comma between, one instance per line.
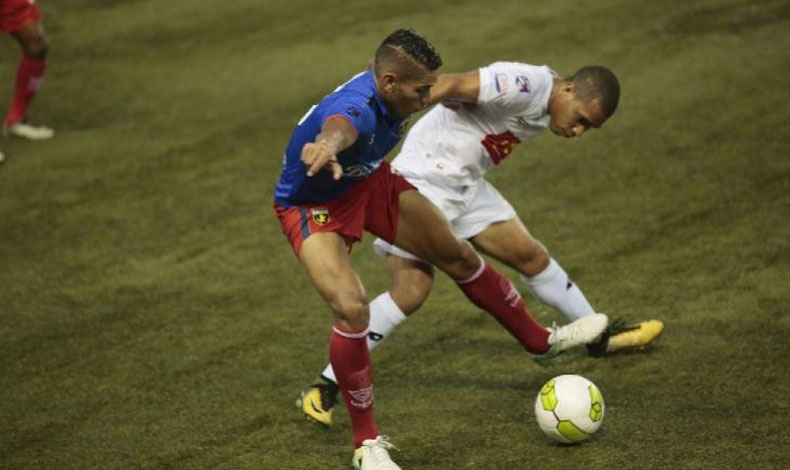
x=28, y=77
x=350, y=359
x=491, y=291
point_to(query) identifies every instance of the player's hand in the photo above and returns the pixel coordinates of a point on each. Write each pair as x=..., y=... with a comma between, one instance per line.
x=317, y=156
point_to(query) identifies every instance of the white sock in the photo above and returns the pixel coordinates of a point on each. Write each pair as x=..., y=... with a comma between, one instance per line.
x=555, y=288
x=385, y=315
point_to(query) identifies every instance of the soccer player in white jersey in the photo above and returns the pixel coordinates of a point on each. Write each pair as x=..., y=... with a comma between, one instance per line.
x=446, y=155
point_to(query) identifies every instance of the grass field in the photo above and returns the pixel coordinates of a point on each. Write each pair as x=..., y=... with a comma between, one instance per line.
x=152, y=315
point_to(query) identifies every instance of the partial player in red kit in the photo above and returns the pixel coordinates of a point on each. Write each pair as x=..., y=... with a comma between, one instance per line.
x=22, y=20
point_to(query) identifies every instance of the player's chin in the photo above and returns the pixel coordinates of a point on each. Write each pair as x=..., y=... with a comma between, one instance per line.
x=563, y=133
x=416, y=108
x=403, y=112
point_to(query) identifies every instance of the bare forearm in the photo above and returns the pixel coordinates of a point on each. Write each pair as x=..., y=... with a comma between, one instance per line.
x=456, y=86
x=336, y=134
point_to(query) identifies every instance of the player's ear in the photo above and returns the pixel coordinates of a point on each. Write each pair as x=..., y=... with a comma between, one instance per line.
x=568, y=89
x=387, y=82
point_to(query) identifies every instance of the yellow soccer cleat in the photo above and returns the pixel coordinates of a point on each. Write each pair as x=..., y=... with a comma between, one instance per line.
x=635, y=337
x=619, y=336
x=318, y=402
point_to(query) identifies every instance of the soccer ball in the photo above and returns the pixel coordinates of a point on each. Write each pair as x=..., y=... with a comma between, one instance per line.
x=569, y=408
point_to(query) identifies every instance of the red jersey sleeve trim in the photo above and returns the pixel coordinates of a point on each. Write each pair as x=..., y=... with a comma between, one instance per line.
x=345, y=118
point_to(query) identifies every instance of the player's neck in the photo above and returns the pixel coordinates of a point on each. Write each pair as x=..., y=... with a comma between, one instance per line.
x=556, y=88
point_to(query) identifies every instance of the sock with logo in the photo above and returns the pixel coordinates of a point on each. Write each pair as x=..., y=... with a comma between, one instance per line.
x=555, y=288
x=493, y=292
x=385, y=315
x=28, y=77
x=350, y=359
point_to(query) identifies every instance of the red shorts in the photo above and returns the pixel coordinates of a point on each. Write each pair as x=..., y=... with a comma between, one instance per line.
x=16, y=14
x=371, y=205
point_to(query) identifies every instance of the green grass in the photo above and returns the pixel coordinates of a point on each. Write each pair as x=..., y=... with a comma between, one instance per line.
x=152, y=315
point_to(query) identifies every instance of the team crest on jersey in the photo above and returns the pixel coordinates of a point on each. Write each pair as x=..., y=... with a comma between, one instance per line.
x=321, y=216
x=499, y=146
x=522, y=83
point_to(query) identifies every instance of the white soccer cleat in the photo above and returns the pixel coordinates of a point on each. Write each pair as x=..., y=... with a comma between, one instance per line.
x=373, y=455
x=29, y=131
x=581, y=331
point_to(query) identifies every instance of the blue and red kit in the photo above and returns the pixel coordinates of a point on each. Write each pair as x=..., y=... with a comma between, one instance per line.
x=360, y=104
x=365, y=197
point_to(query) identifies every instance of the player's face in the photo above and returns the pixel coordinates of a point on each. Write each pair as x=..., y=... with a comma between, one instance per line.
x=407, y=96
x=573, y=117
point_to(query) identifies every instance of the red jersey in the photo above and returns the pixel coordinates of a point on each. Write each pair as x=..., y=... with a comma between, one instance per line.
x=16, y=14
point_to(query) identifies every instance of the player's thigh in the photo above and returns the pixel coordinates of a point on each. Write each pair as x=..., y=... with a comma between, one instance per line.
x=325, y=257
x=510, y=242
x=411, y=282
x=485, y=207
x=425, y=232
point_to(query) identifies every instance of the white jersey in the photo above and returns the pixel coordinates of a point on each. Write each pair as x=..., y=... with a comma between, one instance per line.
x=456, y=146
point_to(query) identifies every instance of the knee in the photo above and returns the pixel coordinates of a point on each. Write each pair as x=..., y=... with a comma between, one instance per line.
x=459, y=261
x=36, y=48
x=351, y=310
x=532, y=259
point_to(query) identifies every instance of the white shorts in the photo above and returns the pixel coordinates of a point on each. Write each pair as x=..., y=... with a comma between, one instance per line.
x=470, y=210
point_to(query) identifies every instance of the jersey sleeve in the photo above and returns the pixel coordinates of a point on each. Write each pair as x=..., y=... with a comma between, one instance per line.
x=510, y=87
x=354, y=110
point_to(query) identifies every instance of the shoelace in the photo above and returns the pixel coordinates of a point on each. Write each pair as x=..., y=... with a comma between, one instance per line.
x=378, y=449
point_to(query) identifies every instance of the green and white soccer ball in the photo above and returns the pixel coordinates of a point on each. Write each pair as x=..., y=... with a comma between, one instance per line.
x=569, y=408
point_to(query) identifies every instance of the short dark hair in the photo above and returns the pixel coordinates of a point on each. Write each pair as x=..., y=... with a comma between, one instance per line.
x=413, y=44
x=597, y=82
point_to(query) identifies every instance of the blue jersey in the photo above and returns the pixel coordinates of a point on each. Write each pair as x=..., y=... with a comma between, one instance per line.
x=359, y=102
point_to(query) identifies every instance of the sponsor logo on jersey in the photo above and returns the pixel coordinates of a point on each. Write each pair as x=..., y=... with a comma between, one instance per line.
x=500, y=83
x=522, y=83
x=360, y=170
x=320, y=216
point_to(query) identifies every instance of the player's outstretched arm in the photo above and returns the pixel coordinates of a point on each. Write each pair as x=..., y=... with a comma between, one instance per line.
x=336, y=135
x=456, y=87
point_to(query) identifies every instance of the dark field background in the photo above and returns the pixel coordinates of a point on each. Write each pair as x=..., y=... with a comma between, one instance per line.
x=152, y=315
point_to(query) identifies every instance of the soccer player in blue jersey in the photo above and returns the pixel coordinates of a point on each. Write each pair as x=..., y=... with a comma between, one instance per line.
x=335, y=184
